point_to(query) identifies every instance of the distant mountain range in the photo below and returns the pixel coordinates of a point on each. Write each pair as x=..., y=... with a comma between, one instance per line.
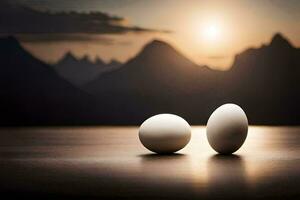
x=31, y=92
x=81, y=71
x=264, y=81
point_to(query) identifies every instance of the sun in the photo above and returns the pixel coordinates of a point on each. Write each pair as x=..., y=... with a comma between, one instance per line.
x=211, y=32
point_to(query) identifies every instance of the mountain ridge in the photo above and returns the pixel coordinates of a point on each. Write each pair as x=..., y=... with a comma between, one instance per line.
x=80, y=71
x=256, y=78
x=263, y=81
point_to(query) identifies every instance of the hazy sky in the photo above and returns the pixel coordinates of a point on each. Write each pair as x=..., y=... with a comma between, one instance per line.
x=207, y=31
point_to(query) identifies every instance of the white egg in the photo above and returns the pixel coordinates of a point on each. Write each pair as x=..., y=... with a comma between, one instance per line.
x=165, y=133
x=227, y=128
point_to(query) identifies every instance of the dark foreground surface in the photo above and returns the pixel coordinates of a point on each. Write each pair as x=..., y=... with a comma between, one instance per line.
x=108, y=162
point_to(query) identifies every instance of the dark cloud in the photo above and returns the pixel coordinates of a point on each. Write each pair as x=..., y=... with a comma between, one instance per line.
x=37, y=38
x=17, y=19
x=82, y=5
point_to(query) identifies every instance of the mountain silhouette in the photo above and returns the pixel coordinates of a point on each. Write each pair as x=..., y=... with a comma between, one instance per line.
x=157, y=65
x=33, y=94
x=81, y=71
x=264, y=81
x=279, y=41
x=160, y=79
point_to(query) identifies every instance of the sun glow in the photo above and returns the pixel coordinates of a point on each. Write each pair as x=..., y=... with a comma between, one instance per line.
x=211, y=32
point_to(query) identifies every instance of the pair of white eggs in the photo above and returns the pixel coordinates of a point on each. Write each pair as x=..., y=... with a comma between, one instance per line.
x=226, y=131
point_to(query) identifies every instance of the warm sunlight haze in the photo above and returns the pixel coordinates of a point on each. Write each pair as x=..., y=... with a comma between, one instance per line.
x=211, y=33
x=208, y=32
x=150, y=99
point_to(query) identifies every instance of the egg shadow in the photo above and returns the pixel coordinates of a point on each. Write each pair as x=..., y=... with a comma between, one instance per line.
x=155, y=156
x=164, y=165
x=162, y=160
x=227, y=175
x=226, y=157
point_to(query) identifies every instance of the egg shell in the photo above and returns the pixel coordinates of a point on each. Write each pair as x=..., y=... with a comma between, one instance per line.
x=227, y=128
x=165, y=133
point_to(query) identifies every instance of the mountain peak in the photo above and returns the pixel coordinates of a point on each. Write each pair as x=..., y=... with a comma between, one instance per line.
x=156, y=43
x=157, y=46
x=99, y=61
x=279, y=40
x=86, y=58
x=9, y=41
x=68, y=57
x=157, y=55
x=69, y=54
x=9, y=38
